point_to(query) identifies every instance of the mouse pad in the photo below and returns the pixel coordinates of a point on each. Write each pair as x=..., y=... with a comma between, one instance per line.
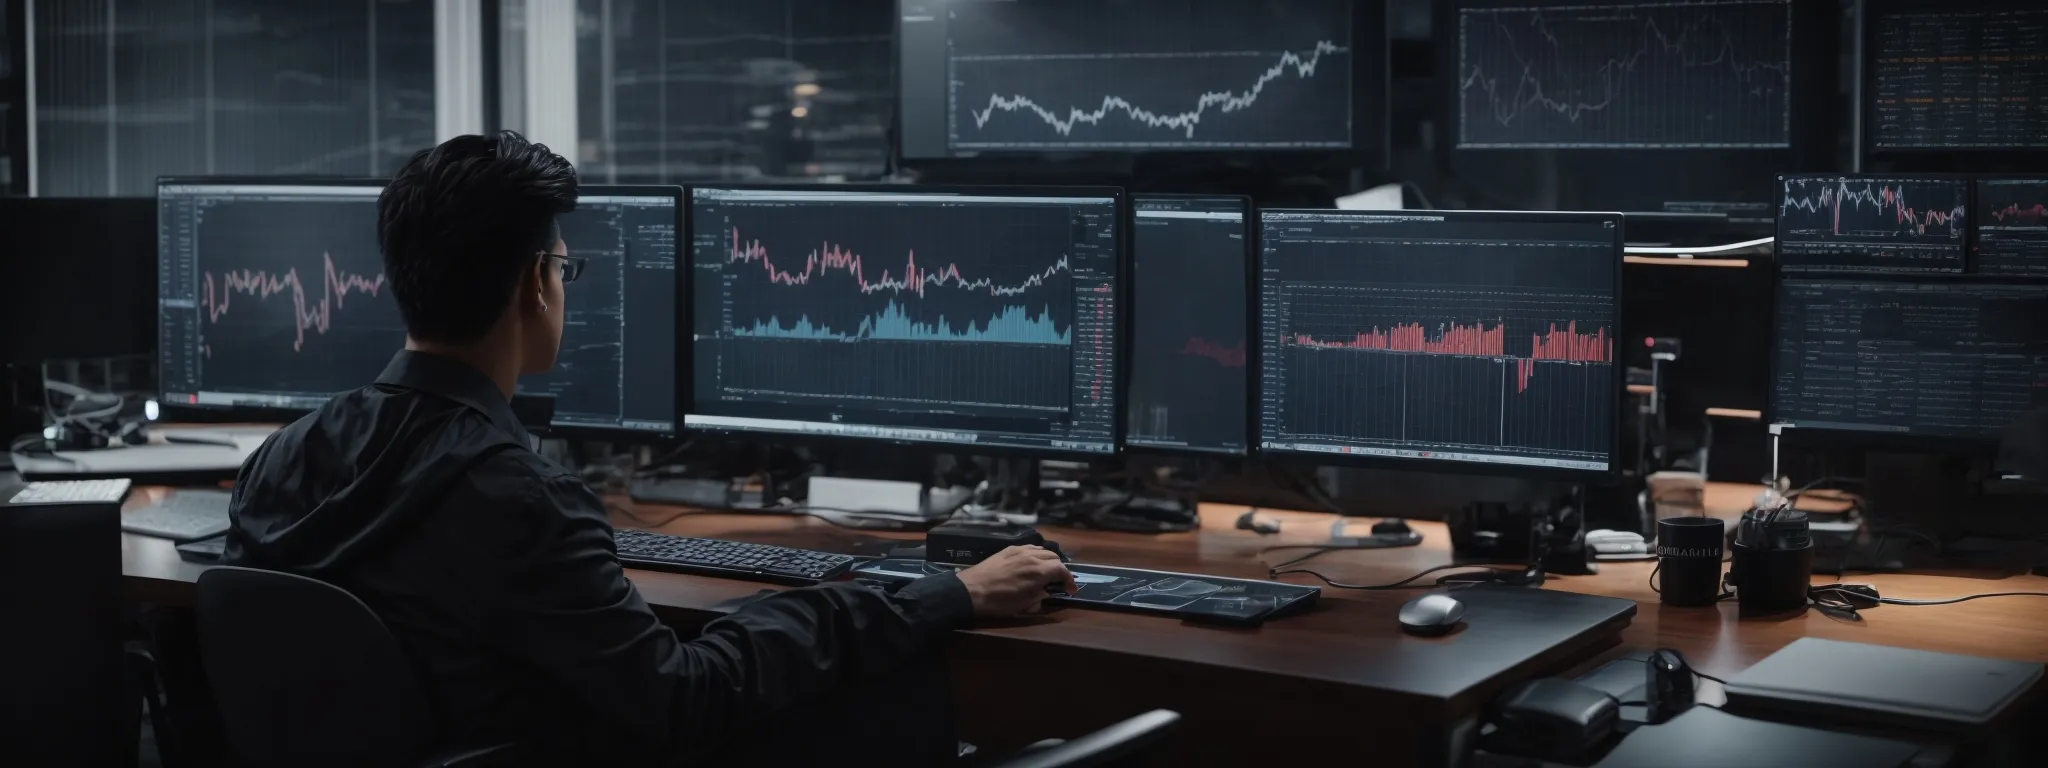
x=1188, y=596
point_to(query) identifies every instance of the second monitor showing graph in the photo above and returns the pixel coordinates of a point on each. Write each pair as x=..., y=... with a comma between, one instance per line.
x=270, y=295
x=1680, y=74
x=919, y=315
x=1120, y=75
x=1188, y=375
x=1830, y=223
x=1480, y=338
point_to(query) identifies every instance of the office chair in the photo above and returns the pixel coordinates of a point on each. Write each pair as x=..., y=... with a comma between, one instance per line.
x=306, y=675
x=1123, y=744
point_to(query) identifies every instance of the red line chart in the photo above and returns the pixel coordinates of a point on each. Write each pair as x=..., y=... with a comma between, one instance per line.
x=314, y=313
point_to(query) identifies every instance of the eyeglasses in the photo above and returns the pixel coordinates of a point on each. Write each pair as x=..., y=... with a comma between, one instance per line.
x=572, y=266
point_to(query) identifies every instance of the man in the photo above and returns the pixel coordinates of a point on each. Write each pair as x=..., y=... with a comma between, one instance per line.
x=495, y=567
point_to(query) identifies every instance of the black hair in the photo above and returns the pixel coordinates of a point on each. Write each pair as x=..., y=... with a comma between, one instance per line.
x=461, y=223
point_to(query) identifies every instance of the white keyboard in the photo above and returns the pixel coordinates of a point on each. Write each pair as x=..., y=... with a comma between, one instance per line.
x=110, y=491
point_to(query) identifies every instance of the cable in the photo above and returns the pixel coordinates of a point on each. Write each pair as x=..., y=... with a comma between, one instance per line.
x=1657, y=251
x=1901, y=601
x=646, y=523
x=1697, y=673
x=1406, y=583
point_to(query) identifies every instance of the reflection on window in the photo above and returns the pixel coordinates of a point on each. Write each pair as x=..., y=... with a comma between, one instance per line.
x=688, y=90
x=129, y=90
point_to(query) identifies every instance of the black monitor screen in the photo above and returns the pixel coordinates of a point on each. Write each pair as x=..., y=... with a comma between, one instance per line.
x=976, y=318
x=1872, y=224
x=1475, y=338
x=1129, y=75
x=2012, y=226
x=617, y=364
x=1188, y=376
x=270, y=295
x=1958, y=76
x=1923, y=358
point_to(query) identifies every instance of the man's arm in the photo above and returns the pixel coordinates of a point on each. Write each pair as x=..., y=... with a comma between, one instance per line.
x=565, y=606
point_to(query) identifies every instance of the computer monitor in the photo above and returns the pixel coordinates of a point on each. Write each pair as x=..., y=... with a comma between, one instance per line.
x=1006, y=76
x=1955, y=84
x=1955, y=358
x=1682, y=106
x=2012, y=227
x=1469, y=341
x=1873, y=224
x=982, y=319
x=271, y=293
x=68, y=260
x=1190, y=265
x=616, y=370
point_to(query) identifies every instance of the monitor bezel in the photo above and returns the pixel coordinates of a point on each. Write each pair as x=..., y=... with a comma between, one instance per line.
x=1250, y=213
x=1530, y=471
x=1371, y=135
x=686, y=365
x=214, y=414
x=681, y=300
x=1989, y=159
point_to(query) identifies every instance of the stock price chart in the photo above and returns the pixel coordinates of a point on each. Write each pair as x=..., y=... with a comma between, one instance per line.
x=616, y=364
x=1948, y=359
x=1965, y=79
x=1138, y=74
x=1426, y=338
x=1188, y=324
x=991, y=316
x=2012, y=227
x=1624, y=75
x=280, y=297
x=1872, y=224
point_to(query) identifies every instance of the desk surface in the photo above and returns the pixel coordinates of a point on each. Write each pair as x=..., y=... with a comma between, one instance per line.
x=1320, y=647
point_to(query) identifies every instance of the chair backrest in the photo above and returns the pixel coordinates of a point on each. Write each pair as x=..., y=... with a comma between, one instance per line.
x=305, y=674
x=1121, y=744
x=63, y=699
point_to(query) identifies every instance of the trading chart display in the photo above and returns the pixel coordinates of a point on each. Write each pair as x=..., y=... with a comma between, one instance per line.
x=1038, y=75
x=1569, y=74
x=920, y=316
x=1872, y=224
x=270, y=295
x=616, y=367
x=1956, y=77
x=1946, y=359
x=2012, y=227
x=1481, y=338
x=1188, y=376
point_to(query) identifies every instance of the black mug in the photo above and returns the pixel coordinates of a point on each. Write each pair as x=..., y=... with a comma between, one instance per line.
x=1689, y=560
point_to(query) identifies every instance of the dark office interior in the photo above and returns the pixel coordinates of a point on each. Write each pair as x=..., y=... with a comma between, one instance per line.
x=1233, y=382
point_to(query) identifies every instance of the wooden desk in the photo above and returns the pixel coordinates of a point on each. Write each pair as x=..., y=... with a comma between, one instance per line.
x=1243, y=690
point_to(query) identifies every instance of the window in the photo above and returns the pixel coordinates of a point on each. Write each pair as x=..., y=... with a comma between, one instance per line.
x=690, y=90
x=129, y=90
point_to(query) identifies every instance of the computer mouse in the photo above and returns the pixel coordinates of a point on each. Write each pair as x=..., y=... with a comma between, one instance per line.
x=1432, y=614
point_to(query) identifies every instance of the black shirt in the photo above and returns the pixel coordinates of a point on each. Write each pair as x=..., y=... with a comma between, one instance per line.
x=495, y=569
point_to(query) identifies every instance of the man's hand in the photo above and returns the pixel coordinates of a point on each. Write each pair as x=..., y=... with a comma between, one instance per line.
x=1014, y=581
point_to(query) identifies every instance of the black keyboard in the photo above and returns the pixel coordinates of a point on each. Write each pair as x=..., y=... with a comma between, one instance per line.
x=735, y=559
